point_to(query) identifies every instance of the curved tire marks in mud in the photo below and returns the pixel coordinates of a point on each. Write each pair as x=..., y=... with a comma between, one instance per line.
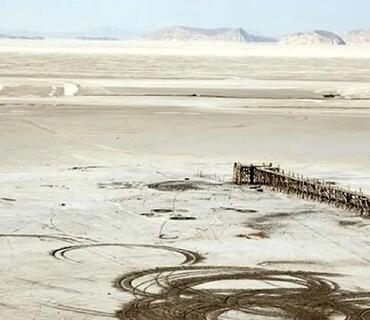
x=45, y=237
x=190, y=257
x=173, y=294
x=83, y=311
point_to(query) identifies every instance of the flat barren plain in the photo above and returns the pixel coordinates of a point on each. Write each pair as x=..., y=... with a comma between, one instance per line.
x=116, y=198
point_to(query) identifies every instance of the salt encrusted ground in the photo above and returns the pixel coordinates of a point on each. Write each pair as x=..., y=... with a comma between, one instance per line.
x=82, y=135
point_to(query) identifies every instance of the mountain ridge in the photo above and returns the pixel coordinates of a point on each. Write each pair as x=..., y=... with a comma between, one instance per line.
x=190, y=34
x=315, y=37
x=358, y=36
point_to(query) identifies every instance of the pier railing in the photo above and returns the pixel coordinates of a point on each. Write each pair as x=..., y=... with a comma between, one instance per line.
x=306, y=188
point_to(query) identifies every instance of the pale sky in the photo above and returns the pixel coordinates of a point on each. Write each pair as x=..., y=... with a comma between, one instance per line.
x=269, y=17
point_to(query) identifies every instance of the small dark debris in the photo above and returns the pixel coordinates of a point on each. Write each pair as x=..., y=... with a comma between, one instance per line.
x=149, y=215
x=330, y=95
x=239, y=210
x=182, y=210
x=9, y=199
x=165, y=237
x=182, y=218
x=162, y=210
x=260, y=190
x=85, y=168
x=115, y=185
x=347, y=223
x=254, y=236
x=62, y=204
x=175, y=185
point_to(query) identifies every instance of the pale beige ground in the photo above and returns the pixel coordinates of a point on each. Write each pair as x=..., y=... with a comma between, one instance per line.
x=131, y=115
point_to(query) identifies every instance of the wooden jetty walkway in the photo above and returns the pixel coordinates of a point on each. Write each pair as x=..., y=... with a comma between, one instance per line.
x=307, y=188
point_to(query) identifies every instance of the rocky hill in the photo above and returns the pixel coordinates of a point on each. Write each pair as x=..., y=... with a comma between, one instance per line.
x=358, y=36
x=317, y=37
x=189, y=34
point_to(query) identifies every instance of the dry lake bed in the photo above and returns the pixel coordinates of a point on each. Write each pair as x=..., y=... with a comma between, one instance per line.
x=116, y=198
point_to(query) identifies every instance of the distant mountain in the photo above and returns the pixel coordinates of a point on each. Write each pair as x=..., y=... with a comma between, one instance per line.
x=108, y=33
x=97, y=38
x=189, y=34
x=104, y=33
x=358, y=36
x=317, y=37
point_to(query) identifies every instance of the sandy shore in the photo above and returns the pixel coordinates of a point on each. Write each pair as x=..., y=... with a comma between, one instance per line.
x=83, y=135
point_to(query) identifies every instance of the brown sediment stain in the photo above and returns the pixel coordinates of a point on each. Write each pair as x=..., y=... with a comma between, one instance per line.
x=173, y=293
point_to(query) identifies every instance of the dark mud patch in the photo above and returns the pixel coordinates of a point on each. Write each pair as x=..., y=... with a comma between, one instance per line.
x=9, y=199
x=259, y=235
x=180, y=185
x=184, y=293
x=87, y=168
x=162, y=210
x=182, y=218
x=348, y=223
x=267, y=228
x=182, y=210
x=115, y=185
x=148, y=214
x=239, y=210
x=279, y=216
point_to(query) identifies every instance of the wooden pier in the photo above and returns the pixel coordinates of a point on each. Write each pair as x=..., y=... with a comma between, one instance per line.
x=306, y=188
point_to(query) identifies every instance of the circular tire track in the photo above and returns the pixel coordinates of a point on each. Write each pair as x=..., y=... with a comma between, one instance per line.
x=190, y=257
x=302, y=295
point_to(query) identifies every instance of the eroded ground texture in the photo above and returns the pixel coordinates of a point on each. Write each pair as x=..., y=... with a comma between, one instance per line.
x=115, y=171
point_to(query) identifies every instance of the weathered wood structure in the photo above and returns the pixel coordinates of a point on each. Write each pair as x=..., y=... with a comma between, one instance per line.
x=306, y=188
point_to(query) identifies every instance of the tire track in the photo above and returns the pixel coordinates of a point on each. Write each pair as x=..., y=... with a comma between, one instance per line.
x=300, y=295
